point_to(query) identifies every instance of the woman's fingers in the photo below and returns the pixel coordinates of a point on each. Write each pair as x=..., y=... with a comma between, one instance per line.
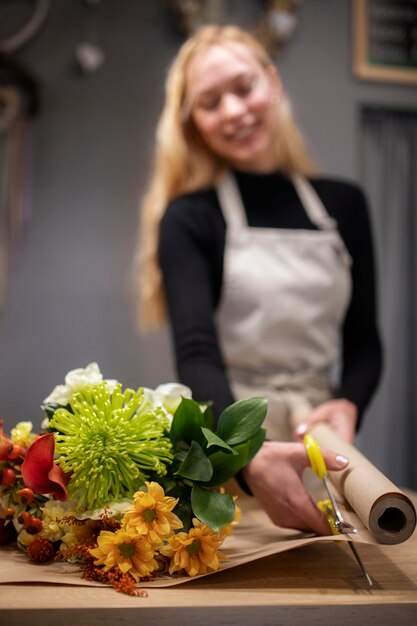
x=275, y=479
x=341, y=415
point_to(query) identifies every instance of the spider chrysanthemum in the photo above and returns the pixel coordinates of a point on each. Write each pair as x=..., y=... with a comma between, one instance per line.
x=109, y=442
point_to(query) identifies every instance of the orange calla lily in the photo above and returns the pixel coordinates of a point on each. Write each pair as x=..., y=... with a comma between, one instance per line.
x=39, y=471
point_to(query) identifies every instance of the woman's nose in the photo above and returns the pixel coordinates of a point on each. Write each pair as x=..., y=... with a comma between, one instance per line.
x=232, y=105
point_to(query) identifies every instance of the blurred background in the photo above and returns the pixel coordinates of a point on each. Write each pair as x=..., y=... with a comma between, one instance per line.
x=81, y=87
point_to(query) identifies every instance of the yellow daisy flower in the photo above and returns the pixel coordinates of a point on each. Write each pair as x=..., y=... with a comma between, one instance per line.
x=196, y=552
x=130, y=552
x=151, y=514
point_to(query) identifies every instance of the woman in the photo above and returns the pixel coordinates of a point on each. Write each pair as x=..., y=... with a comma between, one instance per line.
x=266, y=269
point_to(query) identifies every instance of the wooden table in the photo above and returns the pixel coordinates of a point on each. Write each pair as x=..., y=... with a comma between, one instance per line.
x=316, y=584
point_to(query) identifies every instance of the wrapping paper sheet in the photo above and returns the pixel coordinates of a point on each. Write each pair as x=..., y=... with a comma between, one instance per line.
x=255, y=537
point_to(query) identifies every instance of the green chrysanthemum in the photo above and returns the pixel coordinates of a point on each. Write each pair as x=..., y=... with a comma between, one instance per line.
x=110, y=443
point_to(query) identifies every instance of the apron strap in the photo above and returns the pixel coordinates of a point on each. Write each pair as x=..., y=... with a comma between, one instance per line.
x=234, y=212
x=312, y=203
x=317, y=212
x=231, y=202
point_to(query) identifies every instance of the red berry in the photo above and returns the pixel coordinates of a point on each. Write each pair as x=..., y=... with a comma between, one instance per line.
x=9, y=513
x=8, y=476
x=6, y=445
x=34, y=526
x=25, y=495
x=24, y=518
x=14, y=452
x=4, y=449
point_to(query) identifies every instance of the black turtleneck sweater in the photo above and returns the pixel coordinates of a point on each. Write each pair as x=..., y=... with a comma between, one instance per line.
x=191, y=251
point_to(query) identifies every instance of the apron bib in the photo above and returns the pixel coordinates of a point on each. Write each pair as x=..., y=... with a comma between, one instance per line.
x=284, y=298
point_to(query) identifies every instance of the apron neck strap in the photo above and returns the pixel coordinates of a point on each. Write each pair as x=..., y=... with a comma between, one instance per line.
x=234, y=212
x=231, y=202
x=312, y=203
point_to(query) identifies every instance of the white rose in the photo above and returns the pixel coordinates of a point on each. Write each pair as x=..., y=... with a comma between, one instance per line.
x=59, y=395
x=166, y=396
x=169, y=395
x=78, y=379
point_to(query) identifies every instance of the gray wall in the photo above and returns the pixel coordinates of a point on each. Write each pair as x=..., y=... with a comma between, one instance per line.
x=69, y=299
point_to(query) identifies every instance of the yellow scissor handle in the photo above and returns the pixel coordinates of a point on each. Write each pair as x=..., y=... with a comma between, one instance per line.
x=326, y=507
x=315, y=456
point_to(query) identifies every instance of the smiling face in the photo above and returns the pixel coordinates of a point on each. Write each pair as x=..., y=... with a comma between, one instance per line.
x=232, y=104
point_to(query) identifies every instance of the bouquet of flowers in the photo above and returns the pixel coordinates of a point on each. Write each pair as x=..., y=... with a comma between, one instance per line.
x=127, y=483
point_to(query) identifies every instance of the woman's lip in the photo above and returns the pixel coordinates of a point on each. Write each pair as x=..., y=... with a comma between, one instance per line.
x=242, y=133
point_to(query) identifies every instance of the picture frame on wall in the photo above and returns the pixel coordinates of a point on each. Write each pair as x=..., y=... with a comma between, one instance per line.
x=385, y=40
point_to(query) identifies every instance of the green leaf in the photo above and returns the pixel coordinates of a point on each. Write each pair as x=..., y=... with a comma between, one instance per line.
x=50, y=408
x=255, y=443
x=241, y=420
x=212, y=508
x=196, y=465
x=168, y=484
x=180, y=451
x=185, y=513
x=181, y=454
x=214, y=440
x=187, y=422
x=226, y=466
x=208, y=415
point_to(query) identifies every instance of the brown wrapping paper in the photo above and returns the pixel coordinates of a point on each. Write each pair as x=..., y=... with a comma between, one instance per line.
x=385, y=510
x=255, y=537
x=370, y=495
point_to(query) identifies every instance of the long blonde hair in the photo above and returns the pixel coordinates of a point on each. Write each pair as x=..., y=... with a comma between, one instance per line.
x=183, y=163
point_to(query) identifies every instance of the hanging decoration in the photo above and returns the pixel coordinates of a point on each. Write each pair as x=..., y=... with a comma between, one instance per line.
x=40, y=10
x=89, y=54
x=275, y=27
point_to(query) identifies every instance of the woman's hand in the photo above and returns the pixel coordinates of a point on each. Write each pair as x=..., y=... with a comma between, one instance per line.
x=341, y=415
x=275, y=478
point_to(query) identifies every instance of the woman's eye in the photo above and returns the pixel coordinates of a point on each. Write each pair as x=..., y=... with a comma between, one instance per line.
x=245, y=87
x=209, y=104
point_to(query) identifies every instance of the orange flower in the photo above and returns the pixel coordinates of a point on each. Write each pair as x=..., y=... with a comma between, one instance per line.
x=151, y=514
x=128, y=551
x=196, y=552
x=40, y=473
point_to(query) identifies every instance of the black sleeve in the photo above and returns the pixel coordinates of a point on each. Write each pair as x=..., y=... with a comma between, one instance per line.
x=362, y=352
x=191, y=248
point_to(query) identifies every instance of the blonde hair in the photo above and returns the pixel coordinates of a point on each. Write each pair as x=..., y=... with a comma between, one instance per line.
x=183, y=163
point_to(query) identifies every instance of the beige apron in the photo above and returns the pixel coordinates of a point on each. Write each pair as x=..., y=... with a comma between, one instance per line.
x=284, y=297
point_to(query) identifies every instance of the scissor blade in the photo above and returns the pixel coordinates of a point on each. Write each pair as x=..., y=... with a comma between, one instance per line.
x=344, y=527
x=340, y=523
x=359, y=560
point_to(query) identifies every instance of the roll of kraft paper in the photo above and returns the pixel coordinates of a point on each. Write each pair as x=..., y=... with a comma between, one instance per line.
x=384, y=509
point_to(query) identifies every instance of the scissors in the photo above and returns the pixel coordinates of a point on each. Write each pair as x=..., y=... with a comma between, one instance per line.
x=330, y=507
